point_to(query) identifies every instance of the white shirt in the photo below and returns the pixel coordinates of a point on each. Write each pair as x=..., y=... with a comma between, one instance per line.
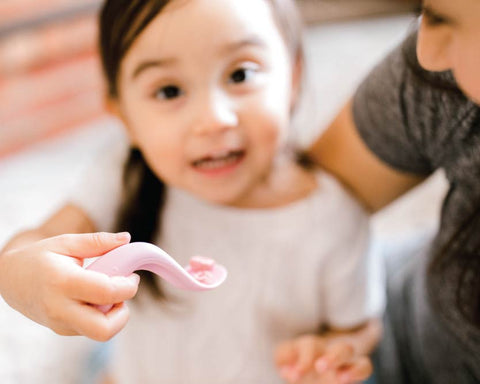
x=291, y=269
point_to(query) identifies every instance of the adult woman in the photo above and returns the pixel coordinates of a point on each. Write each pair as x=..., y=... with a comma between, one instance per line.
x=419, y=111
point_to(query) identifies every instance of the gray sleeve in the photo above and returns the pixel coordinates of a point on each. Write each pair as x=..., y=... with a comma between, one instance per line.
x=391, y=112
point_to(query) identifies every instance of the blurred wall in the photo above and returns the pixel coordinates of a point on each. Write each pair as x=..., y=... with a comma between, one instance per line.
x=50, y=80
x=314, y=11
x=49, y=75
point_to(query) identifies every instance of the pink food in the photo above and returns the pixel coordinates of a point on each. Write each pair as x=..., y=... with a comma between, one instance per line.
x=201, y=268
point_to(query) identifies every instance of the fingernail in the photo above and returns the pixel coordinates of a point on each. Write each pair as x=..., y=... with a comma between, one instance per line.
x=321, y=365
x=122, y=280
x=122, y=236
x=134, y=279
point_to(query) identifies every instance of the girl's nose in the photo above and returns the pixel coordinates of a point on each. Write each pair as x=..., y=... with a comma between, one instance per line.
x=215, y=113
x=434, y=48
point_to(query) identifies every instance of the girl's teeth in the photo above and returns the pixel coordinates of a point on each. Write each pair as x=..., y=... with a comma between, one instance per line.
x=218, y=162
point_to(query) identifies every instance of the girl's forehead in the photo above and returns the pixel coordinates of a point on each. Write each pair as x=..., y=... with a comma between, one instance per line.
x=183, y=23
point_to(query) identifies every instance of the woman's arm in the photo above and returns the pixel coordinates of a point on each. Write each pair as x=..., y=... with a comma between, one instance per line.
x=341, y=151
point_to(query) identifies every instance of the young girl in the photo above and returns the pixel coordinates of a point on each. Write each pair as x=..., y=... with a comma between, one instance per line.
x=205, y=89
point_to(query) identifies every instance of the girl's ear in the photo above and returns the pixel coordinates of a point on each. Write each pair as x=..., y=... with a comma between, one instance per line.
x=297, y=75
x=113, y=107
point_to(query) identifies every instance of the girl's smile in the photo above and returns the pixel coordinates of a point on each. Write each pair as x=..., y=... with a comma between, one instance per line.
x=219, y=163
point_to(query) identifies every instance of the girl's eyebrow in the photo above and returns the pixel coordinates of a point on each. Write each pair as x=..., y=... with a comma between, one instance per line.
x=226, y=49
x=249, y=41
x=144, y=65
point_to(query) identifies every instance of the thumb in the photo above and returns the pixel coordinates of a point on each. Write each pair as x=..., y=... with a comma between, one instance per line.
x=85, y=245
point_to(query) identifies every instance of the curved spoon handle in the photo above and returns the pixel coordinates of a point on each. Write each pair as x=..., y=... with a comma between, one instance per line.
x=126, y=259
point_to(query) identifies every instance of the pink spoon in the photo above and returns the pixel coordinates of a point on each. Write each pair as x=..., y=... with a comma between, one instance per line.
x=202, y=274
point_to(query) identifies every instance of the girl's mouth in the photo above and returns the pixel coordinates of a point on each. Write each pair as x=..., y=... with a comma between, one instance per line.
x=220, y=162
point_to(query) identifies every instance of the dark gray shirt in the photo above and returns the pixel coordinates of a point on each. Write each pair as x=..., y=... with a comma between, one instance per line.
x=418, y=122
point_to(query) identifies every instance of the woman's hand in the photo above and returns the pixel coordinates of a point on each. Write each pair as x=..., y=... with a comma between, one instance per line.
x=312, y=359
x=45, y=280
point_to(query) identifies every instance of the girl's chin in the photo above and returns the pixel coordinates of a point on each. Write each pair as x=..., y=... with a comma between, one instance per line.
x=219, y=197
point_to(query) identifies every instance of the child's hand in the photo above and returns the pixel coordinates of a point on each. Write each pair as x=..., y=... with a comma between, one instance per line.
x=46, y=282
x=312, y=359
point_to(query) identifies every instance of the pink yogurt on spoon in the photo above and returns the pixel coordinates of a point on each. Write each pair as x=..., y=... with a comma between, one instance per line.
x=201, y=269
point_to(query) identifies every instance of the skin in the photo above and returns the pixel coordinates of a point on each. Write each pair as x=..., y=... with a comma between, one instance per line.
x=449, y=39
x=41, y=276
x=336, y=357
x=221, y=93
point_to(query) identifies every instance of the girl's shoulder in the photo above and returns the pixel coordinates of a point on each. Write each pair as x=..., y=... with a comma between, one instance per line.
x=335, y=204
x=98, y=190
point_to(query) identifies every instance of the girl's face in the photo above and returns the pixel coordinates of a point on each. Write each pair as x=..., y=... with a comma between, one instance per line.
x=449, y=38
x=205, y=92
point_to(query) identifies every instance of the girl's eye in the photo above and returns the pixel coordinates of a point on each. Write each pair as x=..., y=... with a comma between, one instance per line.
x=168, y=92
x=241, y=75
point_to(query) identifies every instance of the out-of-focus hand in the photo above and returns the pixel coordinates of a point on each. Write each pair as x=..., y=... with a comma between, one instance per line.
x=311, y=359
x=46, y=282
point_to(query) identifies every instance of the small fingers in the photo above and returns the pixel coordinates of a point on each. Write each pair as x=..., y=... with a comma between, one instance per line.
x=356, y=371
x=85, y=245
x=335, y=356
x=285, y=353
x=309, y=348
x=285, y=357
x=297, y=357
x=98, y=288
x=88, y=321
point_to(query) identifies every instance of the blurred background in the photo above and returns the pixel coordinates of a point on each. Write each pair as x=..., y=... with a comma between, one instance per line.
x=52, y=122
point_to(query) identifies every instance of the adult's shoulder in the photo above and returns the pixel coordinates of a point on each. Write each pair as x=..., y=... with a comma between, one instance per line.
x=405, y=113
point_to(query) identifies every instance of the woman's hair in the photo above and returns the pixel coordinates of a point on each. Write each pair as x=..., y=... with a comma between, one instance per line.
x=458, y=262
x=121, y=22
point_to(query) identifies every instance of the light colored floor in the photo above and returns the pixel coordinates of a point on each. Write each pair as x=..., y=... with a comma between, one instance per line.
x=35, y=182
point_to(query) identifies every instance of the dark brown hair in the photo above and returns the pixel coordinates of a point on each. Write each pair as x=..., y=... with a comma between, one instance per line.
x=457, y=262
x=121, y=22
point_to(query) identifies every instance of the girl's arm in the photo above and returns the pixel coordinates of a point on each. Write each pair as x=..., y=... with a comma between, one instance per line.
x=341, y=151
x=337, y=356
x=68, y=219
x=41, y=276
